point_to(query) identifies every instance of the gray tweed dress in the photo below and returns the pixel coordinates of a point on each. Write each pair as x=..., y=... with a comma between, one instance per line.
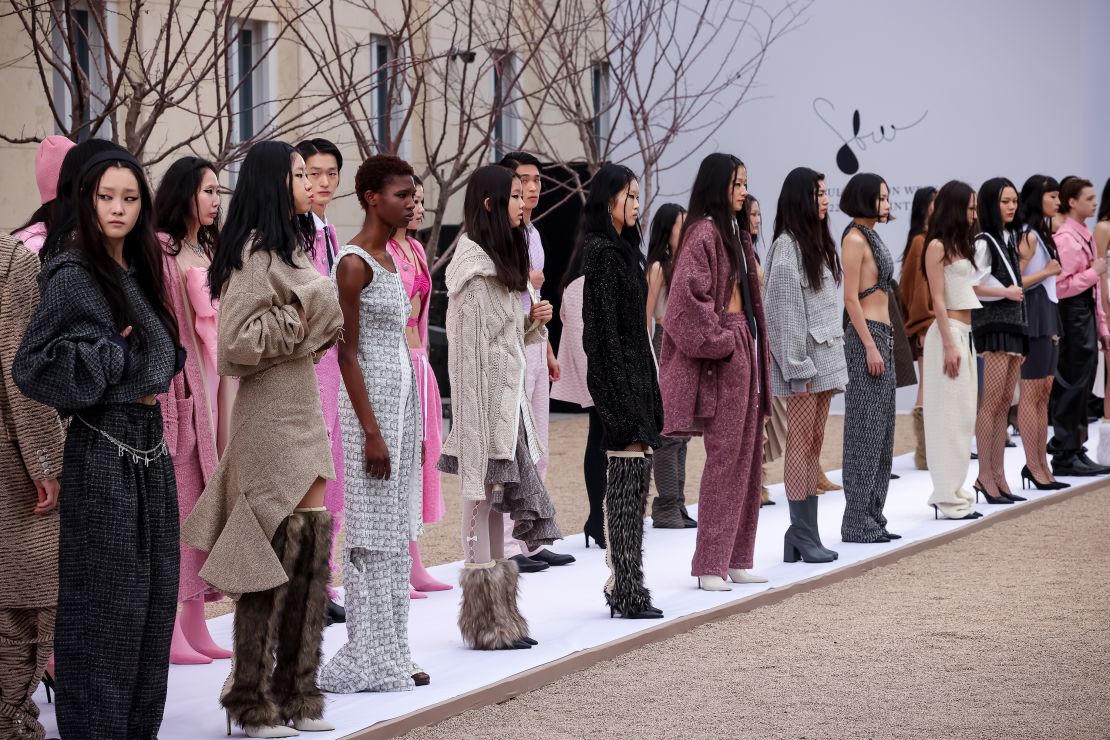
x=379, y=516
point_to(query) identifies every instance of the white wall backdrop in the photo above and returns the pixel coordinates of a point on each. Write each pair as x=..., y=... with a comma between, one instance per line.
x=944, y=89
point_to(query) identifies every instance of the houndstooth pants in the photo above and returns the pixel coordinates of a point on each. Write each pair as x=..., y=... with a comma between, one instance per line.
x=868, y=434
x=376, y=656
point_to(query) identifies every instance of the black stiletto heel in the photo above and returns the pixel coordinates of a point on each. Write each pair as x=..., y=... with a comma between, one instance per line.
x=1027, y=479
x=649, y=612
x=972, y=515
x=50, y=686
x=599, y=541
x=990, y=499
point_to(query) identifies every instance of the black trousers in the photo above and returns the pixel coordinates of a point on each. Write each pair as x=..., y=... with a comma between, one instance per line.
x=594, y=464
x=117, y=577
x=1075, y=371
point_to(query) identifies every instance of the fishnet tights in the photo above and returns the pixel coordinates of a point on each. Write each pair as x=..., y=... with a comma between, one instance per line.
x=806, y=414
x=1000, y=377
x=1033, y=425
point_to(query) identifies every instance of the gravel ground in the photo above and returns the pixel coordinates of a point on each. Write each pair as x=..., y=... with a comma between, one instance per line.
x=1000, y=634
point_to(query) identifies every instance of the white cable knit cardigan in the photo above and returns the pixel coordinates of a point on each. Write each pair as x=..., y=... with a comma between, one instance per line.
x=485, y=354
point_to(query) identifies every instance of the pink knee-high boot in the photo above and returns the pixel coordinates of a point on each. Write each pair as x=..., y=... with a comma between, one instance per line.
x=192, y=644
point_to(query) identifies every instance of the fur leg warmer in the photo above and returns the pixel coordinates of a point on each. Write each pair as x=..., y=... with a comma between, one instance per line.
x=486, y=620
x=626, y=492
x=300, y=632
x=511, y=584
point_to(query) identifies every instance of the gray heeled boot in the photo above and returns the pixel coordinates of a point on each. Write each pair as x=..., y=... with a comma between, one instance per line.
x=800, y=540
x=811, y=516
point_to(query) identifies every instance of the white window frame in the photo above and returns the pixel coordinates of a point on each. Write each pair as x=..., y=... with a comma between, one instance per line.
x=94, y=69
x=263, y=82
x=386, y=53
x=600, y=96
x=503, y=73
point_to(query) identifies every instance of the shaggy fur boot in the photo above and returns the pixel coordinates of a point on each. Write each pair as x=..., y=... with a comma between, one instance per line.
x=626, y=492
x=485, y=619
x=247, y=697
x=300, y=628
x=511, y=584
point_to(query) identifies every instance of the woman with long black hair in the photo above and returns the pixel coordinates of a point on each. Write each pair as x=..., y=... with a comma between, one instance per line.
x=621, y=376
x=803, y=274
x=101, y=346
x=668, y=508
x=950, y=372
x=197, y=408
x=261, y=518
x=493, y=445
x=1040, y=201
x=714, y=369
x=1000, y=330
x=917, y=308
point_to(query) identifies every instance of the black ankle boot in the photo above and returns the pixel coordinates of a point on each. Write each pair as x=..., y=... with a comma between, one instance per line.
x=799, y=541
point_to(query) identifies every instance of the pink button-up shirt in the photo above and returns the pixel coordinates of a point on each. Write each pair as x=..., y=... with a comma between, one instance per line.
x=1077, y=252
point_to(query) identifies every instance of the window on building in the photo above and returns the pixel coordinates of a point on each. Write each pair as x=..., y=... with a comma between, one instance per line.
x=387, y=97
x=79, y=47
x=251, y=59
x=504, y=125
x=599, y=78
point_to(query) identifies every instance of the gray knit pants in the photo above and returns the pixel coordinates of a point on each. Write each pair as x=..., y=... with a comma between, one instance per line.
x=868, y=435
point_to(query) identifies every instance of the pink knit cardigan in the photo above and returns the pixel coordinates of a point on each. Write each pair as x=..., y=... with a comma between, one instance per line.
x=695, y=342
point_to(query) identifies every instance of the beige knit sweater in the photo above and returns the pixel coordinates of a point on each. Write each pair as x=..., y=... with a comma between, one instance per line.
x=486, y=335
x=32, y=439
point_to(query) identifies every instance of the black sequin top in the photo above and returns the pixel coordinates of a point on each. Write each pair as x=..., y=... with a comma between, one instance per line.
x=621, y=372
x=72, y=356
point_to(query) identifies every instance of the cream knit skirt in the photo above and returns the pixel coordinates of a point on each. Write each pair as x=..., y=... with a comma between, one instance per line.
x=950, y=406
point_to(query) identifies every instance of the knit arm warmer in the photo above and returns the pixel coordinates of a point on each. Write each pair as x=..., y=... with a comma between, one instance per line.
x=692, y=320
x=787, y=324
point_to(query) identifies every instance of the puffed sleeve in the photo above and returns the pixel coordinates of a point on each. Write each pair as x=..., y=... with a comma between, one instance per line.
x=787, y=325
x=69, y=355
x=692, y=320
x=38, y=431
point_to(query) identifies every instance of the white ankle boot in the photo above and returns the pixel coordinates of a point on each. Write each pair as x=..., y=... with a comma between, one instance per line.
x=313, y=725
x=742, y=575
x=713, y=583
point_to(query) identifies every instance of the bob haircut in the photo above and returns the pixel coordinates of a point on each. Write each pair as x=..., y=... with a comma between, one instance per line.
x=860, y=198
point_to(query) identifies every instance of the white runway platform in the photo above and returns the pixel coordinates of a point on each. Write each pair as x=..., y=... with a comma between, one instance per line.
x=566, y=611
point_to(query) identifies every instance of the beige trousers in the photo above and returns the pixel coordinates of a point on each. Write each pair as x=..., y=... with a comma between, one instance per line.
x=950, y=406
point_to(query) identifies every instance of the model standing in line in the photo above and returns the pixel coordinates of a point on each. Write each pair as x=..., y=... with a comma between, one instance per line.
x=427, y=505
x=1000, y=331
x=48, y=167
x=196, y=411
x=869, y=407
x=30, y=464
x=379, y=407
x=806, y=338
x=1083, y=326
x=493, y=445
x=261, y=518
x=621, y=376
x=323, y=164
x=100, y=347
x=668, y=508
x=774, y=431
x=714, y=371
x=543, y=368
x=950, y=372
x=917, y=308
x=1040, y=201
x=572, y=387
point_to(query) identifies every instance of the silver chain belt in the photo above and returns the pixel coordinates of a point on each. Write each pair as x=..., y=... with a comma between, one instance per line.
x=124, y=449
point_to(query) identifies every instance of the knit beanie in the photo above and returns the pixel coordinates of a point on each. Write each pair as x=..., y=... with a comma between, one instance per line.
x=48, y=165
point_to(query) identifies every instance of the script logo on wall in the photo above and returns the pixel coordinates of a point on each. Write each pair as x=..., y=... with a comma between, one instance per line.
x=846, y=158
